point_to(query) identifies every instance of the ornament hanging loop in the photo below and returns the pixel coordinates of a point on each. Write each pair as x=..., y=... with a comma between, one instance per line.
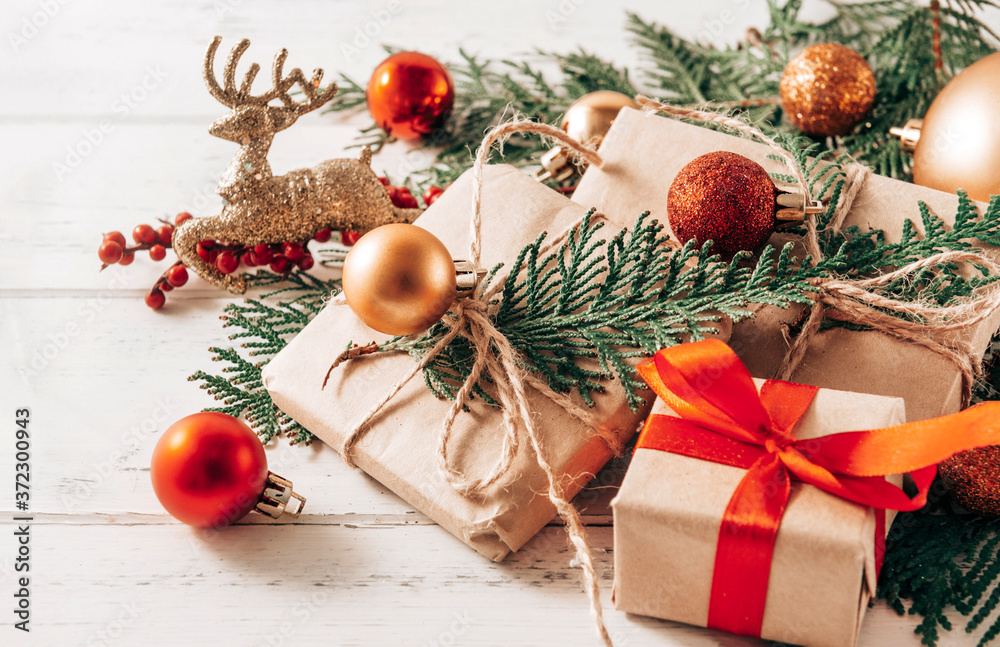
x=277, y=497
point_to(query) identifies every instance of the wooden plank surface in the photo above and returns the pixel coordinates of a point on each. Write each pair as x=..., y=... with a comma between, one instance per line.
x=104, y=127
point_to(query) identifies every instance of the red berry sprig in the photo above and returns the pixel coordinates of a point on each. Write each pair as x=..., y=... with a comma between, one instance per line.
x=281, y=258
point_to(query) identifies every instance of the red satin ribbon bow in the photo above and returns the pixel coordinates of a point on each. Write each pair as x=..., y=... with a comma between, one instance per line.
x=724, y=420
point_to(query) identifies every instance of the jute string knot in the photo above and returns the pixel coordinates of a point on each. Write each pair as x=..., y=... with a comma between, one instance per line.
x=858, y=301
x=496, y=361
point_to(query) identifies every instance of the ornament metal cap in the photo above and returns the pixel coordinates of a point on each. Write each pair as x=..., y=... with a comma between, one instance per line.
x=908, y=135
x=556, y=165
x=793, y=209
x=587, y=121
x=467, y=278
x=277, y=496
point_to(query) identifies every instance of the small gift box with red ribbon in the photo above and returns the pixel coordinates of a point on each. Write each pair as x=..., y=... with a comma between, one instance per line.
x=761, y=507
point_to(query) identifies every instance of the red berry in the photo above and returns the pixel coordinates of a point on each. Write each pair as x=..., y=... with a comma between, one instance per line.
x=293, y=252
x=177, y=275
x=144, y=235
x=163, y=285
x=307, y=262
x=394, y=195
x=115, y=236
x=208, y=254
x=127, y=259
x=155, y=299
x=207, y=244
x=384, y=181
x=279, y=264
x=110, y=252
x=323, y=235
x=181, y=217
x=263, y=254
x=157, y=252
x=348, y=238
x=432, y=194
x=409, y=202
x=164, y=234
x=227, y=262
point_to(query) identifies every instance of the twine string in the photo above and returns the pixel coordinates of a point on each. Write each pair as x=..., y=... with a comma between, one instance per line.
x=496, y=359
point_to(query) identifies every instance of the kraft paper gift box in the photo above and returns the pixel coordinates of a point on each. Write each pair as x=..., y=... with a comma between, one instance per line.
x=399, y=449
x=669, y=509
x=643, y=152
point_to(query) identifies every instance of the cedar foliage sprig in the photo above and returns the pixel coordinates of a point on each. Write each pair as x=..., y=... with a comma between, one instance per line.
x=611, y=300
x=263, y=327
x=605, y=301
x=486, y=92
x=938, y=559
x=895, y=36
x=608, y=301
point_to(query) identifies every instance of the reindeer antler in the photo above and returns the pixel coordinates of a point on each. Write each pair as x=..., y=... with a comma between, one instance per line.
x=230, y=97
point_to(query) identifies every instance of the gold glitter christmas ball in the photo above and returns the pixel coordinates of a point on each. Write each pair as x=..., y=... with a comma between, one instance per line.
x=399, y=279
x=827, y=89
x=590, y=117
x=973, y=478
x=959, y=145
x=725, y=198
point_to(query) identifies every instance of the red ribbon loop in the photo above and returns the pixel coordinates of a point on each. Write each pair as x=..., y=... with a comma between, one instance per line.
x=724, y=420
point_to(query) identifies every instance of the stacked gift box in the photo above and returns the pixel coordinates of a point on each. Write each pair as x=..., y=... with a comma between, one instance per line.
x=822, y=563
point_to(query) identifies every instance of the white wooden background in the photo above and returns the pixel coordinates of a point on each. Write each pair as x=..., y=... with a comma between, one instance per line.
x=103, y=126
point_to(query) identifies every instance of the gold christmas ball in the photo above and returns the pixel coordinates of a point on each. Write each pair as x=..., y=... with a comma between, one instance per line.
x=959, y=145
x=590, y=117
x=399, y=279
x=827, y=90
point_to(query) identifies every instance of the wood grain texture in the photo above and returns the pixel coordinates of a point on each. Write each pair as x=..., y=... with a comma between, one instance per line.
x=104, y=127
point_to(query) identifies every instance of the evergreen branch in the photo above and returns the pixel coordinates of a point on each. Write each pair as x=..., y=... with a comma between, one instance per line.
x=938, y=558
x=263, y=327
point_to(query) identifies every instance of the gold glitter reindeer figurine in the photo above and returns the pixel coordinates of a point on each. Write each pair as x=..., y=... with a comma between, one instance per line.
x=262, y=209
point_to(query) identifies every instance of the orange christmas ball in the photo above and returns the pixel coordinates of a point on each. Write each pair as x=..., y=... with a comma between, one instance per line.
x=399, y=279
x=208, y=470
x=725, y=198
x=827, y=90
x=409, y=95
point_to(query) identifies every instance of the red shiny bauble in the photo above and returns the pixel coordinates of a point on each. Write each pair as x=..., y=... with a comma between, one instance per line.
x=409, y=95
x=208, y=470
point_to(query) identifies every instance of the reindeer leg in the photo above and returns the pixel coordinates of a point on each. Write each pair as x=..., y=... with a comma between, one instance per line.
x=185, y=243
x=366, y=155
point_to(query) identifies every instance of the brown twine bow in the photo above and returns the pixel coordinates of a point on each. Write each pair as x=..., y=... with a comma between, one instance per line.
x=856, y=300
x=496, y=359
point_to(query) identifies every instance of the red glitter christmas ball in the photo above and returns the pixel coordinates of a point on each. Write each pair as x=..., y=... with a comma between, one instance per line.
x=409, y=95
x=973, y=477
x=725, y=198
